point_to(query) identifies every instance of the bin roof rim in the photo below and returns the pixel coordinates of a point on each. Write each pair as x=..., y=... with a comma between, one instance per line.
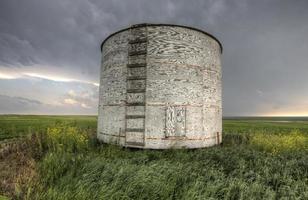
x=151, y=24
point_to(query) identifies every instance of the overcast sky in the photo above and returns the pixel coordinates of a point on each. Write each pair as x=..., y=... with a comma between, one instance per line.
x=50, y=51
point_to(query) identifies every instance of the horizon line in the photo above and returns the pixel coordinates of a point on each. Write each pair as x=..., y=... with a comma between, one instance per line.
x=229, y=116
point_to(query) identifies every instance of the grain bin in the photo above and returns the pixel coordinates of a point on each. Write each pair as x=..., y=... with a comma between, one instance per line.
x=160, y=88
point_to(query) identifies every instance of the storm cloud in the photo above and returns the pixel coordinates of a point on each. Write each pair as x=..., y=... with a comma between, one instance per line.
x=50, y=50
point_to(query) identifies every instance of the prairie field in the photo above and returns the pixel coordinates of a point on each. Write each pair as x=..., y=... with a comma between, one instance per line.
x=58, y=157
x=12, y=126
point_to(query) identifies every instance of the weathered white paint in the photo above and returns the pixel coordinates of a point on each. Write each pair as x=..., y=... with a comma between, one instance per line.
x=160, y=88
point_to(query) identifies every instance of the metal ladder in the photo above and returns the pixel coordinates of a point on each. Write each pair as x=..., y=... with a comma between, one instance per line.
x=136, y=87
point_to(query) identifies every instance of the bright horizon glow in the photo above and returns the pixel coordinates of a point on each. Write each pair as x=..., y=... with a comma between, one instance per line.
x=272, y=114
x=53, y=78
x=27, y=75
x=6, y=76
x=286, y=115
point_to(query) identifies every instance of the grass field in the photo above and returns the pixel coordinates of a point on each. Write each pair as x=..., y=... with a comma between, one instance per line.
x=261, y=158
x=12, y=126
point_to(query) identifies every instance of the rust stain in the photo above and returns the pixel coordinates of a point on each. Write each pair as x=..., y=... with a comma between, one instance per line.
x=182, y=138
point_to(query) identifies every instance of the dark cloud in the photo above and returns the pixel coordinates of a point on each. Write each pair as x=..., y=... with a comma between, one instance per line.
x=20, y=101
x=8, y=105
x=265, y=45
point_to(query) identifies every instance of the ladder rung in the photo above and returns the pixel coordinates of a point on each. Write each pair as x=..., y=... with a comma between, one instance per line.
x=137, y=53
x=136, y=104
x=136, y=65
x=136, y=78
x=135, y=90
x=134, y=144
x=139, y=40
x=134, y=130
x=134, y=116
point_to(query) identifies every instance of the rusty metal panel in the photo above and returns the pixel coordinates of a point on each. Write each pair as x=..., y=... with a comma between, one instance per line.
x=175, y=121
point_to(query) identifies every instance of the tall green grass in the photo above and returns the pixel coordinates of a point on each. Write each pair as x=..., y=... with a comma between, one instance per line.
x=12, y=126
x=217, y=173
x=242, y=170
x=258, y=160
